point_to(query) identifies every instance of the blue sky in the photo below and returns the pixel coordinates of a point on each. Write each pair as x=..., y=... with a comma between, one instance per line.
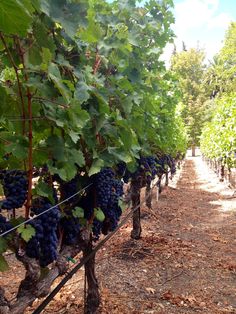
x=203, y=22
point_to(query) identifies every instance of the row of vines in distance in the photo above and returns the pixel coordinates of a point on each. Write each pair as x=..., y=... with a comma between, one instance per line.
x=218, y=140
x=86, y=104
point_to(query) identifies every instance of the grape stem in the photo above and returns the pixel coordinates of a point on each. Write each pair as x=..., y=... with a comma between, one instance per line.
x=97, y=62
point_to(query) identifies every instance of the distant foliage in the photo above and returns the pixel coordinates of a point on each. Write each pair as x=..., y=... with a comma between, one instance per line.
x=218, y=139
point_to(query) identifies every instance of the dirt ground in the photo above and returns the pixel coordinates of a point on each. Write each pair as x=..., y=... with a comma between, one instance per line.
x=185, y=261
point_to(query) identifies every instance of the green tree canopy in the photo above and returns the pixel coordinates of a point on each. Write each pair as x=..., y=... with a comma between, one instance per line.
x=189, y=68
x=220, y=76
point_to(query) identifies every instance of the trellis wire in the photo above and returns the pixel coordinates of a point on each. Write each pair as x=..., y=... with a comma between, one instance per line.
x=45, y=211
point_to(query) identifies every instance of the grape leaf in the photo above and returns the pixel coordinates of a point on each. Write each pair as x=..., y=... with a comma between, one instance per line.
x=96, y=166
x=3, y=264
x=55, y=76
x=99, y=215
x=26, y=232
x=78, y=212
x=18, y=149
x=3, y=245
x=14, y=18
x=43, y=189
x=68, y=13
x=122, y=205
x=81, y=92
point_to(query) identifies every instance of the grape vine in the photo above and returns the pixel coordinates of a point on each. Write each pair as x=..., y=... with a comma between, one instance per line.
x=85, y=101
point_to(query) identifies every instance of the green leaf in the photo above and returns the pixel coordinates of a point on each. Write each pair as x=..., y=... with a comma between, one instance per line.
x=16, y=221
x=77, y=116
x=30, y=5
x=70, y=169
x=78, y=212
x=99, y=215
x=83, y=222
x=120, y=154
x=60, y=171
x=55, y=76
x=14, y=18
x=46, y=58
x=126, y=137
x=81, y=92
x=93, y=32
x=26, y=232
x=96, y=166
x=3, y=245
x=1, y=189
x=57, y=146
x=78, y=157
x=43, y=189
x=44, y=38
x=34, y=56
x=3, y=264
x=68, y=13
x=122, y=204
x=19, y=149
x=74, y=136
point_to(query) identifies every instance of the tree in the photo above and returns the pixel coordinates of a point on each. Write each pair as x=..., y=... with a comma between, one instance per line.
x=220, y=76
x=189, y=68
x=184, y=48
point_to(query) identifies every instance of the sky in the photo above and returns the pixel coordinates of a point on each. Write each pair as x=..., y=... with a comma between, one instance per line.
x=201, y=23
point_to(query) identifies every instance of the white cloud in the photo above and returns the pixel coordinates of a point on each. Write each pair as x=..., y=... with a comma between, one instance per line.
x=199, y=22
x=220, y=21
x=194, y=13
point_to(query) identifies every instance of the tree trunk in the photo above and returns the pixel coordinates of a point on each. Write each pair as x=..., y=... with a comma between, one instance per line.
x=193, y=151
x=93, y=298
x=27, y=293
x=222, y=173
x=148, y=195
x=158, y=184
x=135, y=197
x=167, y=178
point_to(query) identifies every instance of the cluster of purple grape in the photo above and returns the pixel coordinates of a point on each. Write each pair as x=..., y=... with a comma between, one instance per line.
x=4, y=224
x=70, y=188
x=109, y=190
x=167, y=161
x=15, y=185
x=68, y=223
x=149, y=166
x=43, y=245
x=172, y=164
x=97, y=229
x=67, y=189
x=161, y=165
x=71, y=229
